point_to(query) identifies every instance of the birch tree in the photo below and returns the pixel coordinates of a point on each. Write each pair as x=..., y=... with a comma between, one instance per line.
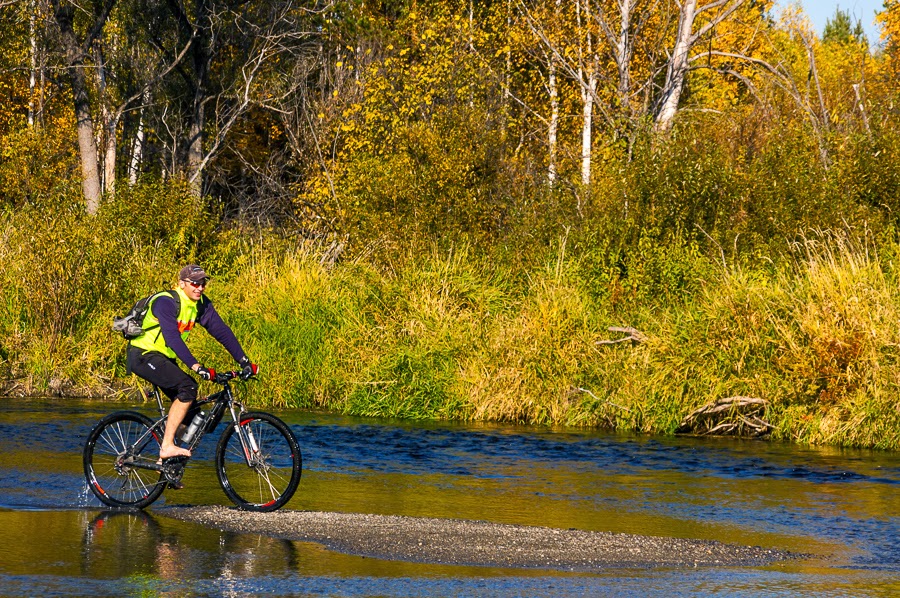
x=36, y=71
x=540, y=33
x=687, y=36
x=77, y=50
x=570, y=44
x=588, y=65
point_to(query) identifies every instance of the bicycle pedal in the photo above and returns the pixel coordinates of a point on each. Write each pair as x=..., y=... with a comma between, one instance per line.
x=175, y=485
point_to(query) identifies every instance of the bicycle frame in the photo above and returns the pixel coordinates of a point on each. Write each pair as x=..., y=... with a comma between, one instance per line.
x=221, y=400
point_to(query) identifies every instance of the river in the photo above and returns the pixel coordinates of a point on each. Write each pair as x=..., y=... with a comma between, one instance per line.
x=838, y=508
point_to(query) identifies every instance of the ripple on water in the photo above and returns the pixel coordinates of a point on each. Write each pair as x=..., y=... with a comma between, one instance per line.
x=842, y=498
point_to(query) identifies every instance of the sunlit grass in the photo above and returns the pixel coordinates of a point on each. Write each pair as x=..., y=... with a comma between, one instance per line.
x=450, y=334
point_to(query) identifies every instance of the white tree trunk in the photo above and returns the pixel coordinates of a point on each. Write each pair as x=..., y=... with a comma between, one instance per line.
x=90, y=183
x=554, y=122
x=586, y=128
x=623, y=55
x=110, y=122
x=109, y=160
x=84, y=124
x=677, y=69
x=678, y=63
x=137, y=154
x=32, y=77
x=553, y=128
x=195, y=159
x=587, y=75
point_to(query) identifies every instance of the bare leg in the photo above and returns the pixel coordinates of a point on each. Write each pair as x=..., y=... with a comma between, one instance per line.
x=176, y=414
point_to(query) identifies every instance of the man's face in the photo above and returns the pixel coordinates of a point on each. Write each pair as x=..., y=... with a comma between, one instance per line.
x=193, y=289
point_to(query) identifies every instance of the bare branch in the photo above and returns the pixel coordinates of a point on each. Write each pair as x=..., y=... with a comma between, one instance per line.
x=726, y=416
x=596, y=398
x=634, y=335
x=123, y=106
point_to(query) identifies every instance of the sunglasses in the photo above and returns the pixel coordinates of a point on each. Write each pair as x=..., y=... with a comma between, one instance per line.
x=197, y=285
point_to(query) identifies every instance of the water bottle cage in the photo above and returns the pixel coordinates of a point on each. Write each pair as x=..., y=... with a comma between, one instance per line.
x=196, y=424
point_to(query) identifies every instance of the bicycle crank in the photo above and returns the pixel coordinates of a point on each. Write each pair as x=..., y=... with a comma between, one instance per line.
x=173, y=470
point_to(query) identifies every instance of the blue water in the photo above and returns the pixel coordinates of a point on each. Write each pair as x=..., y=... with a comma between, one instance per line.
x=840, y=509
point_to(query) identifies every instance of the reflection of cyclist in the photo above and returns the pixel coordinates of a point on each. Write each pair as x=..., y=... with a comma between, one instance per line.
x=167, y=325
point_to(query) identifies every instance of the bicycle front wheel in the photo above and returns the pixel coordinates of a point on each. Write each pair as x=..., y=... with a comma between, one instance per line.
x=258, y=462
x=114, y=455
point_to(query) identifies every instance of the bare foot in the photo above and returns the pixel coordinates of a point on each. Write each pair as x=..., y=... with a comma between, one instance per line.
x=167, y=452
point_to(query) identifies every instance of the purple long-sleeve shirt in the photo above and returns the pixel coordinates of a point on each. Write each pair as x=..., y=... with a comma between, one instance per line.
x=166, y=312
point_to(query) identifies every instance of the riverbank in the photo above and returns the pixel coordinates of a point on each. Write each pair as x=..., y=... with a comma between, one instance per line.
x=810, y=346
x=477, y=543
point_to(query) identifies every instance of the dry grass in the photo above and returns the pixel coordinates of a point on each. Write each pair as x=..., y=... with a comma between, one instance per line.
x=451, y=336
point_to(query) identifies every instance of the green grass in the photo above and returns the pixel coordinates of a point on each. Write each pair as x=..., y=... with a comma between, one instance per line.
x=448, y=337
x=455, y=335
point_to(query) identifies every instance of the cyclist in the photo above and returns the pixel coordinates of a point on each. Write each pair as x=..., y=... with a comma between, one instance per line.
x=152, y=355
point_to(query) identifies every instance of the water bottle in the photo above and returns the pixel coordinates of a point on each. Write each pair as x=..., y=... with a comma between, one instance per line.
x=196, y=424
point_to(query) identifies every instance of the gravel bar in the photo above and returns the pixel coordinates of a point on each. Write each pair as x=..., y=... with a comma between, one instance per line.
x=478, y=543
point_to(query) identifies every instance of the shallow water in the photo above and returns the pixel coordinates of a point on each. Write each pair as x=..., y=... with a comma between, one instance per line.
x=839, y=507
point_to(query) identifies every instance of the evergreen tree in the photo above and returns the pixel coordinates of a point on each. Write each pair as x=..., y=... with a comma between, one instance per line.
x=840, y=29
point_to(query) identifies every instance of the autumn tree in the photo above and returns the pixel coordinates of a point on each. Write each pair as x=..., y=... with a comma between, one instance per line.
x=889, y=19
x=77, y=40
x=421, y=133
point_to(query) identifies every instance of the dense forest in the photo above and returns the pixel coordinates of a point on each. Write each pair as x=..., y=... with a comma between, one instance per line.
x=648, y=215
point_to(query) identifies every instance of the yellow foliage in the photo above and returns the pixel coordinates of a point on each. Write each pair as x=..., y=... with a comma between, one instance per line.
x=722, y=84
x=889, y=19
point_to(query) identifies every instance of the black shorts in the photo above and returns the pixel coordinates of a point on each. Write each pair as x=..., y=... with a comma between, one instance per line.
x=156, y=368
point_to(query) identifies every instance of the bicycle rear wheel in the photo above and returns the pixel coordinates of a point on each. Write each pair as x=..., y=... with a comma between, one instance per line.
x=113, y=453
x=272, y=476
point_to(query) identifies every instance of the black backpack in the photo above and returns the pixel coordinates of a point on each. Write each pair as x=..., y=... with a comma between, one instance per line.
x=131, y=324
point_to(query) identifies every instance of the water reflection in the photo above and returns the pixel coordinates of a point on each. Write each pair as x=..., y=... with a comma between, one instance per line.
x=839, y=505
x=118, y=544
x=121, y=543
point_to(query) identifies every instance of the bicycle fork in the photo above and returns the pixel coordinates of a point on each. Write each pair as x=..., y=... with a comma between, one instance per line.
x=248, y=440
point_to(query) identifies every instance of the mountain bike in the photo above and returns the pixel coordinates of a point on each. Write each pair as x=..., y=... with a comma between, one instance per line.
x=257, y=459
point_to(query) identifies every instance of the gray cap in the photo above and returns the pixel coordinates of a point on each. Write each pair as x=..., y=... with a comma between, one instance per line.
x=193, y=273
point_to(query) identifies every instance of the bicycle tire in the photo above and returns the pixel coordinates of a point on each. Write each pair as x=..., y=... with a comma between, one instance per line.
x=109, y=477
x=271, y=482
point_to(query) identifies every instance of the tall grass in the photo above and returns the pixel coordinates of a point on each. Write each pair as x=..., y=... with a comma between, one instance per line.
x=451, y=334
x=816, y=338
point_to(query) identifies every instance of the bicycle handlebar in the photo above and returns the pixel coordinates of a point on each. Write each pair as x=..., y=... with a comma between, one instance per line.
x=223, y=377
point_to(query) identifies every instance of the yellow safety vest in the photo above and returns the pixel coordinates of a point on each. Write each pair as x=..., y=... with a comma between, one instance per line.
x=152, y=339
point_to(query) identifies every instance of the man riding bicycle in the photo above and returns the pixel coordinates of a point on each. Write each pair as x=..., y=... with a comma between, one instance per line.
x=167, y=325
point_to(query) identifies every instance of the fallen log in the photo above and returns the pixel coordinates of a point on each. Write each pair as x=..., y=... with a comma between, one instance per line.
x=739, y=416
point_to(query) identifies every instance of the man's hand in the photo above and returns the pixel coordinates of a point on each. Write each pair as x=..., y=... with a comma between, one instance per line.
x=205, y=373
x=249, y=370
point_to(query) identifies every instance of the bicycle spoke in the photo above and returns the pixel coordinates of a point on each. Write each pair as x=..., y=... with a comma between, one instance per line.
x=273, y=471
x=113, y=460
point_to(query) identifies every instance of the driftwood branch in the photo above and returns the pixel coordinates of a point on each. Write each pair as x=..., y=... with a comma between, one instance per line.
x=741, y=416
x=634, y=335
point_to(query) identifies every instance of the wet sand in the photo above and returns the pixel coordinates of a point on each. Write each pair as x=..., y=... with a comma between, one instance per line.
x=479, y=543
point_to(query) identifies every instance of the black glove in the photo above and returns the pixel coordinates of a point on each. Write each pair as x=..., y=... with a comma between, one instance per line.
x=249, y=370
x=206, y=374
